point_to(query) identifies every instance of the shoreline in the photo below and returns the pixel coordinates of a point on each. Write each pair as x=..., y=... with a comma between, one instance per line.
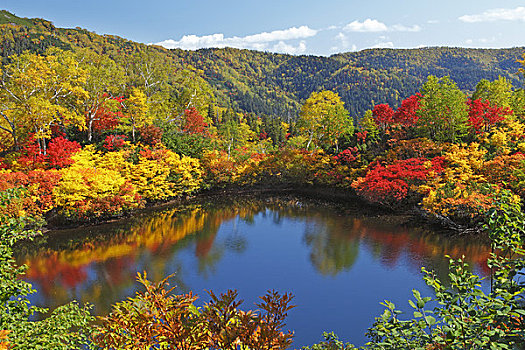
x=413, y=215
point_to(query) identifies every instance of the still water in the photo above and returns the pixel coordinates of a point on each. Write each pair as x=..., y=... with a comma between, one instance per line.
x=339, y=260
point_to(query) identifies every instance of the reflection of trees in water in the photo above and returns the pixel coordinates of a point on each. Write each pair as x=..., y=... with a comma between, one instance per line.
x=331, y=251
x=207, y=252
x=422, y=246
x=113, y=253
x=334, y=240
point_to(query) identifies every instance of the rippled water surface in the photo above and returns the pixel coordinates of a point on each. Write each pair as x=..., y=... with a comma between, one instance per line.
x=339, y=261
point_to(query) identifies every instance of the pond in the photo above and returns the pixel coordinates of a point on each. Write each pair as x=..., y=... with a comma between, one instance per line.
x=339, y=260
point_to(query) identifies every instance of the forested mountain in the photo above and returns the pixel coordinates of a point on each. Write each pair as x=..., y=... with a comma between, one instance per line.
x=277, y=84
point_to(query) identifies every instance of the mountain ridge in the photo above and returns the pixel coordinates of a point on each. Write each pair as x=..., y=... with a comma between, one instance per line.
x=277, y=84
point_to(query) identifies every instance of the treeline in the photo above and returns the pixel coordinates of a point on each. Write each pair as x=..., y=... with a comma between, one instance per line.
x=275, y=84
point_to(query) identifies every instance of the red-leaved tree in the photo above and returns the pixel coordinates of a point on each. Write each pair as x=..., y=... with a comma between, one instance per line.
x=407, y=114
x=391, y=184
x=114, y=142
x=482, y=116
x=383, y=116
x=193, y=122
x=108, y=116
x=58, y=154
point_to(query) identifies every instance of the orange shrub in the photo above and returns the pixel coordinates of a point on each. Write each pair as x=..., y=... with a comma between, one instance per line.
x=38, y=199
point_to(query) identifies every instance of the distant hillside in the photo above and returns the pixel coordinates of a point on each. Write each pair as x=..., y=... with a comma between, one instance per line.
x=277, y=84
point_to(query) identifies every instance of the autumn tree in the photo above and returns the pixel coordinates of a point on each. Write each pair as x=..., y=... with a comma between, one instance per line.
x=442, y=110
x=103, y=83
x=323, y=119
x=37, y=92
x=518, y=104
x=367, y=127
x=383, y=116
x=191, y=90
x=136, y=111
x=148, y=71
x=193, y=122
x=483, y=115
x=497, y=92
x=234, y=131
x=406, y=114
x=108, y=115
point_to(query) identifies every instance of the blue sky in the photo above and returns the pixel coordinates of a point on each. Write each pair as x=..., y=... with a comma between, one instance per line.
x=321, y=27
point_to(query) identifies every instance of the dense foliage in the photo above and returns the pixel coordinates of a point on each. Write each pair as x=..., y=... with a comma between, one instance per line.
x=95, y=127
x=66, y=327
x=94, y=136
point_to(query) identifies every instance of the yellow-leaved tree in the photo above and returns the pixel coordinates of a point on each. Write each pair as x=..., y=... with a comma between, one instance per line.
x=324, y=119
x=37, y=92
x=136, y=111
x=104, y=82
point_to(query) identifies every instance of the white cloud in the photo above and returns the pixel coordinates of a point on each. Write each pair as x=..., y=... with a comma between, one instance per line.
x=500, y=14
x=402, y=28
x=260, y=41
x=383, y=45
x=432, y=21
x=369, y=25
x=488, y=40
x=283, y=47
x=482, y=42
x=286, y=34
x=345, y=43
x=375, y=26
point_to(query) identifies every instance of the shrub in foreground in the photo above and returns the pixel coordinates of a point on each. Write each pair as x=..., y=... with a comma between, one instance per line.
x=67, y=327
x=156, y=319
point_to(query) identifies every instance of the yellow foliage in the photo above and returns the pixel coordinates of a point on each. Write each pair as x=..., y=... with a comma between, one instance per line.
x=461, y=190
x=4, y=340
x=464, y=161
x=507, y=138
x=82, y=187
x=117, y=161
x=499, y=141
x=39, y=91
x=86, y=157
x=162, y=174
x=94, y=185
x=189, y=175
x=159, y=174
x=151, y=179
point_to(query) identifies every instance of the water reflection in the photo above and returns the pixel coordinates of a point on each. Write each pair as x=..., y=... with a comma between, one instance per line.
x=244, y=243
